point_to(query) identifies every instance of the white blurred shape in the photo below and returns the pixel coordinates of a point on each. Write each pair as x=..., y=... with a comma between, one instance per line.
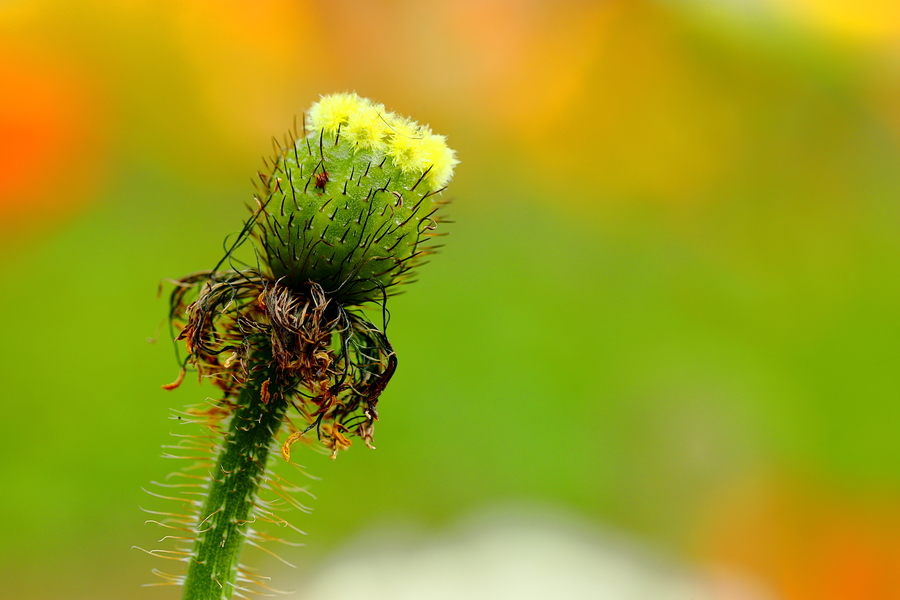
x=516, y=557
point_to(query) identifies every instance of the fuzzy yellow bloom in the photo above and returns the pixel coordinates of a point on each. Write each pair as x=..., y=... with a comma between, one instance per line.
x=368, y=126
x=333, y=111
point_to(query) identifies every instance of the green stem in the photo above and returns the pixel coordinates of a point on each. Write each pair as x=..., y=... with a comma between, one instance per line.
x=234, y=484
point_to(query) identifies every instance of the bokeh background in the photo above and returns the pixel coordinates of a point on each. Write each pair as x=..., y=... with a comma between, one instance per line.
x=664, y=332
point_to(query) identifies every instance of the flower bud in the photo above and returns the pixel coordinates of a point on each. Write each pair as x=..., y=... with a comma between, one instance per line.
x=350, y=205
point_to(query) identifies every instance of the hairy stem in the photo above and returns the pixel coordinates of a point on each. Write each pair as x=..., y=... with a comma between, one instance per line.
x=224, y=519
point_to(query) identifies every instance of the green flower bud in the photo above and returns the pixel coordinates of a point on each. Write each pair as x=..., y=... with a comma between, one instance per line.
x=349, y=204
x=344, y=214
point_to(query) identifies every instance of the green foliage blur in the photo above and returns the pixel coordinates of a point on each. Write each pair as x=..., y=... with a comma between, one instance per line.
x=668, y=303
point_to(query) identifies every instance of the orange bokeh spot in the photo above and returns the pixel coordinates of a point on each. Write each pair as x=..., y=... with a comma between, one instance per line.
x=615, y=96
x=49, y=136
x=866, y=22
x=806, y=542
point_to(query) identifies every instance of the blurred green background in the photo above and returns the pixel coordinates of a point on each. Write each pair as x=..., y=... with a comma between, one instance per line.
x=668, y=305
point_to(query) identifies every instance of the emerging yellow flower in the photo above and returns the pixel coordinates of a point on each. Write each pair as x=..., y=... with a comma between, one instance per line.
x=368, y=126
